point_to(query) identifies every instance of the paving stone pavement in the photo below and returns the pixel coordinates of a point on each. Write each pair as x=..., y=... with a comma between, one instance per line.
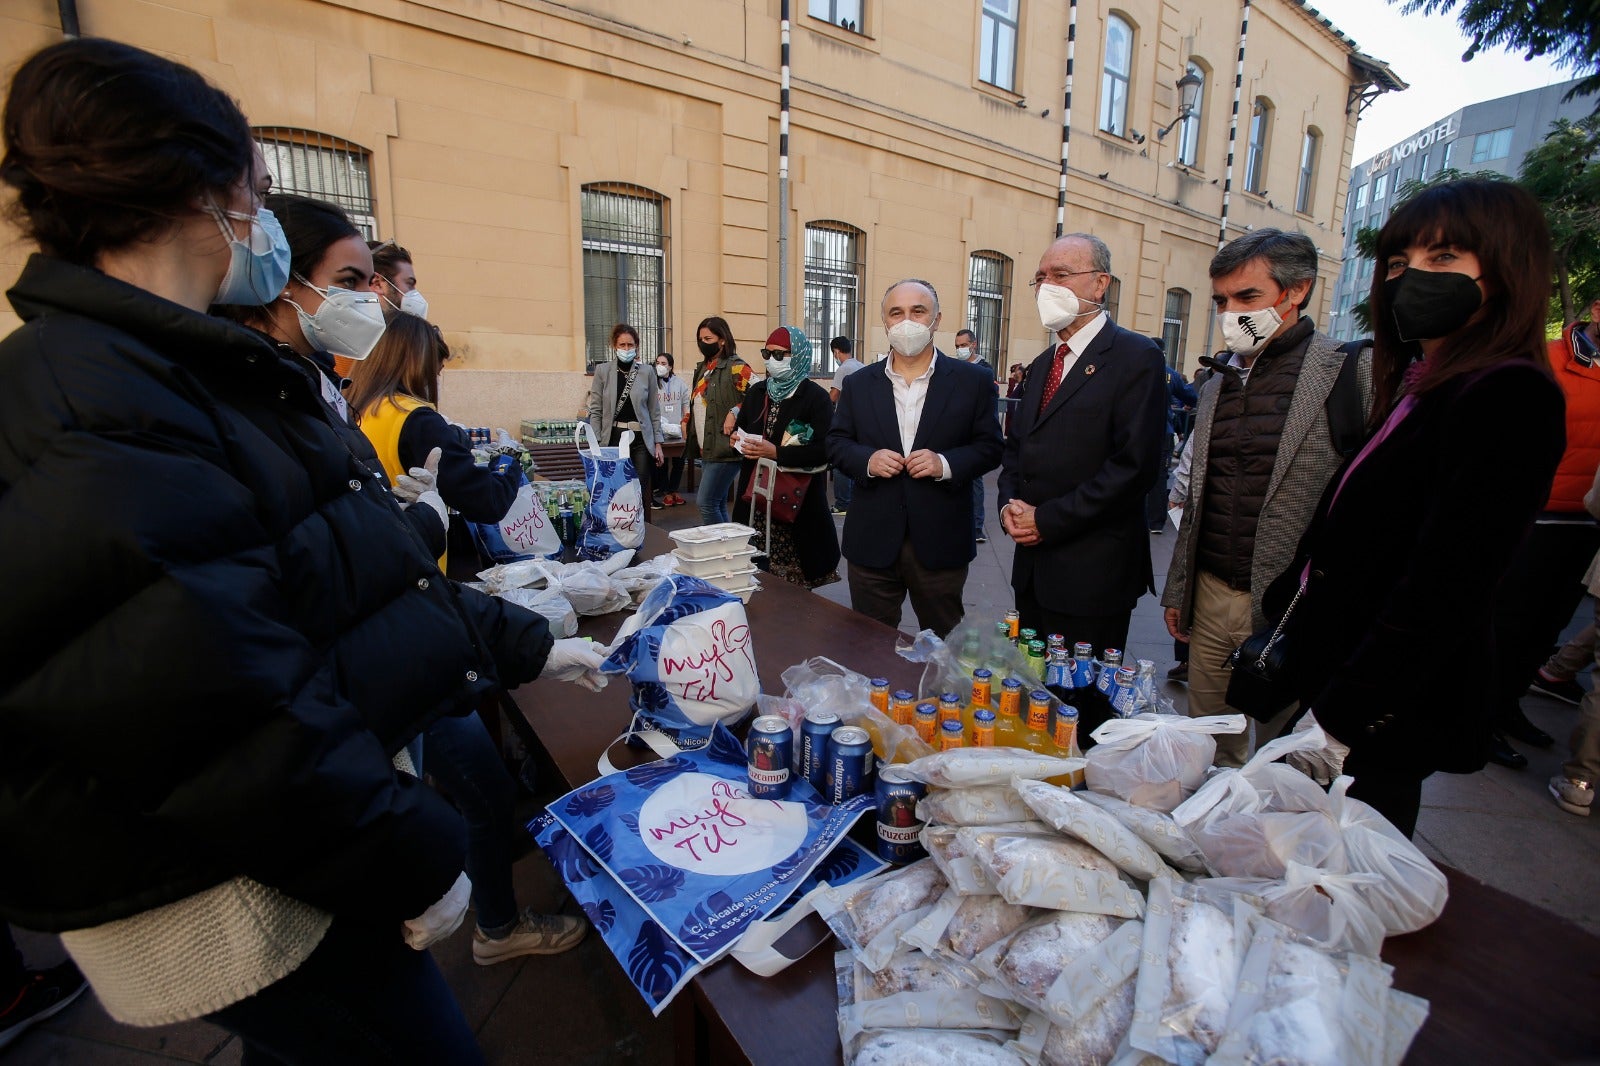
x=1498, y=825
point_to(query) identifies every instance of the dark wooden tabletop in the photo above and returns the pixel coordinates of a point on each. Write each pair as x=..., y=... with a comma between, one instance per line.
x=1506, y=981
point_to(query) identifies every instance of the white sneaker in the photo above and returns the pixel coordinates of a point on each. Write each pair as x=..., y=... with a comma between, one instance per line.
x=1574, y=797
x=535, y=934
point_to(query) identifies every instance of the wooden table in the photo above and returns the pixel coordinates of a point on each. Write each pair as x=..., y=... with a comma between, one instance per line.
x=1507, y=981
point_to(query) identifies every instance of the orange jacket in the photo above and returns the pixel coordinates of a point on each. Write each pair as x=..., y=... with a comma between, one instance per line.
x=1579, y=378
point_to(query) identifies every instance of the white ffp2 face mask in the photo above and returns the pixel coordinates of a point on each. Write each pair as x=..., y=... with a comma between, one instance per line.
x=1060, y=307
x=348, y=322
x=413, y=303
x=910, y=338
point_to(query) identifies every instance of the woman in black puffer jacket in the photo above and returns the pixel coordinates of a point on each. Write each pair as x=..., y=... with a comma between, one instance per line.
x=217, y=627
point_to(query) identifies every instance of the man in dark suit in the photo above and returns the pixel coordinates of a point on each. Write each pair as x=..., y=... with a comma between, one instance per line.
x=1084, y=450
x=913, y=432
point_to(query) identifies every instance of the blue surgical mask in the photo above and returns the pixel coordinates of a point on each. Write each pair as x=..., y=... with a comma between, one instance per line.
x=625, y=355
x=259, y=267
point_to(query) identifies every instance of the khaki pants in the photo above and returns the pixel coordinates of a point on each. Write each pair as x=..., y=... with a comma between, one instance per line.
x=1219, y=623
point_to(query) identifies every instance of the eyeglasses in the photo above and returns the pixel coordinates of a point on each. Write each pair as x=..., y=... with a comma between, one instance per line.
x=1056, y=277
x=774, y=353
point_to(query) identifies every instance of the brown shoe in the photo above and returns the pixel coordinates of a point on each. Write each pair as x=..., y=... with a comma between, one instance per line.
x=535, y=934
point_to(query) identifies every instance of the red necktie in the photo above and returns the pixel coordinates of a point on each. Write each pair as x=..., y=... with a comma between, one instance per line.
x=1053, y=382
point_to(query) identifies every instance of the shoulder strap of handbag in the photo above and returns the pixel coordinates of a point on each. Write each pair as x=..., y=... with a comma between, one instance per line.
x=626, y=390
x=1347, y=422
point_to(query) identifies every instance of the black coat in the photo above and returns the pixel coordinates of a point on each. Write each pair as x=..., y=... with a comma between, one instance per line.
x=815, y=538
x=958, y=422
x=1392, y=641
x=1087, y=463
x=217, y=627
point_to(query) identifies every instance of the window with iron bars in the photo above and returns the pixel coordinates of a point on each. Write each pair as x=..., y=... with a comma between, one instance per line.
x=322, y=167
x=988, y=289
x=1175, y=325
x=835, y=262
x=624, y=268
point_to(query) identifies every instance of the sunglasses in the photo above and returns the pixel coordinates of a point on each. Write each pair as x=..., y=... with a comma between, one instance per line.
x=775, y=353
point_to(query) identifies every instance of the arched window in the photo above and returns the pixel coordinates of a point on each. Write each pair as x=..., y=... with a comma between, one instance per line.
x=836, y=256
x=1175, y=325
x=1255, y=160
x=321, y=166
x=1310, y=150
x=624, y=268
x=1189, y=128
x=1116, y=76
x=988, y=293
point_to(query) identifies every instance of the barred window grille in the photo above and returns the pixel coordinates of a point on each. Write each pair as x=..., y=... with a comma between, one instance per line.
x=624, y=268
x=1175, y=325
x=988, y=289
x=835, y=263
x=323, y=167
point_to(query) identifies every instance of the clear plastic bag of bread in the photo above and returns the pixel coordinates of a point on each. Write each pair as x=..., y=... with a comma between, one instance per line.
x=1064, y=965
x=960, y=927
x=933, y=1047
x=977, y=805
x=913, y=991
x=1254, y=821
x=1155, y=760
x=1156, y=828
x=1053, y=872
x=868, y=916
x=972, y=767
x=1068, y=813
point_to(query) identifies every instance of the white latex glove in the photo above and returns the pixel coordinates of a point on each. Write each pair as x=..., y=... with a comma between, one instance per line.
x=434, y=500
x=576, y=659
x=1321, y=766
x=419, y=479
x=441, y=919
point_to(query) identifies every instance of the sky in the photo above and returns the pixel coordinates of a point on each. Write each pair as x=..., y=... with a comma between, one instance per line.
x=1425, y=51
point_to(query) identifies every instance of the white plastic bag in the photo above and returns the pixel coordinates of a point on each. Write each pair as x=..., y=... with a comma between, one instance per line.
x=1053, y=872
x=869, y=915
x=969, y=767
x=946, y=1047
x=1254, y=821
x=1155, y=760
x=979, y=805
x=547, y=602
x=1330, y=910
x=962, y=927
x=589, y=589
x=1064, y=810
x=823, y=685
x=1194, y=944
x=1298, y=1004
x=913, y=991
x=1411, y=891
x=1155, y=828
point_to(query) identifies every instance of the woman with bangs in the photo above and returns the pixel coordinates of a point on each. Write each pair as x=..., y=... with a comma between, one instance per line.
x=1394, y=581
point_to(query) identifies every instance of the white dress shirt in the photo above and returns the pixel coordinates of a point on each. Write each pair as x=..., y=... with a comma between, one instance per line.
x=909, y=398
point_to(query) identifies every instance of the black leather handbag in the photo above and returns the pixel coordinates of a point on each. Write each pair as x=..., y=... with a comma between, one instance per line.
x=1262, y=684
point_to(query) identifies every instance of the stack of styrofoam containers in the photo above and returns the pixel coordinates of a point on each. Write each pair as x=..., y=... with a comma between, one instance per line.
x=720, y=554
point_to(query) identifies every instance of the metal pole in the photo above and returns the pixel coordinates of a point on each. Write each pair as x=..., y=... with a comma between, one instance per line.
x=1066, y=119
x=783, y=163
x=68, y=10
x=1233, y=138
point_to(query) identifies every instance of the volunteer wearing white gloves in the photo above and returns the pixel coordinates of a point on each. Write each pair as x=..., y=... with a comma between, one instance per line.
x=211, y=672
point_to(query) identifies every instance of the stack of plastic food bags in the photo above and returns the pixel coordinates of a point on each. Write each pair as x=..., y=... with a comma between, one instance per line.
x=1062, y=927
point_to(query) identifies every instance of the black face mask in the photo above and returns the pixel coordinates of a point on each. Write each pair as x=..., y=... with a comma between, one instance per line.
x=1428, y=304
x=709, y=350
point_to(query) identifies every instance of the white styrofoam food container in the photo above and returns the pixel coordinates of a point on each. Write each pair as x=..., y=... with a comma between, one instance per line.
x=715, y=564
x=705, y=542
x=746, y=592
x=732, y=581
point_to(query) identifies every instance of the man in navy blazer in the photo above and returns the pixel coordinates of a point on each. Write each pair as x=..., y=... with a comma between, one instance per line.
x=913, y=432
x=1084, y=450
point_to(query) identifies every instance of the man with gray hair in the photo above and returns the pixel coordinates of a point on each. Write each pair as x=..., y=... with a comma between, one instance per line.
x=912, y=432
x=1267, y=438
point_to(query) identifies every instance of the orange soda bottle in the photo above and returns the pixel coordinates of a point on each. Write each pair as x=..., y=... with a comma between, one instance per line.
x=1008, y=725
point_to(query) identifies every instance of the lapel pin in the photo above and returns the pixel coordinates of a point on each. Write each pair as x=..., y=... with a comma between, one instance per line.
x=1088, y=370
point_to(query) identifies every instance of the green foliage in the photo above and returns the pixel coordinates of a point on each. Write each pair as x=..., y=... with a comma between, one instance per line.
x=1563, y=173
x=1568, y=31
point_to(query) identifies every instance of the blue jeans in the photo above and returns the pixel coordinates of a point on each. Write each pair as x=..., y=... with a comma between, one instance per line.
x=462, y=758
x=362, y=997
x=843, y=488
x=716, y=481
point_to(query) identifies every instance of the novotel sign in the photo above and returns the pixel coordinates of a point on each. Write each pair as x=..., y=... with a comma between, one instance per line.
x=1443, y=131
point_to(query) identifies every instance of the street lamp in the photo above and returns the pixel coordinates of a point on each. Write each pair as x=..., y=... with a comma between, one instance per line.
x=1188, y=96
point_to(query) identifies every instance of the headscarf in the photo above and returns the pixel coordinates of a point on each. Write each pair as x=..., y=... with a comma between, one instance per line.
x=799, y=359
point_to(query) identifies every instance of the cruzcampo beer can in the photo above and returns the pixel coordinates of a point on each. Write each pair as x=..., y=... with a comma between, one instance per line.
x=814, y=734
x=898, y=824
x=849, y=764
x=768, y=750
